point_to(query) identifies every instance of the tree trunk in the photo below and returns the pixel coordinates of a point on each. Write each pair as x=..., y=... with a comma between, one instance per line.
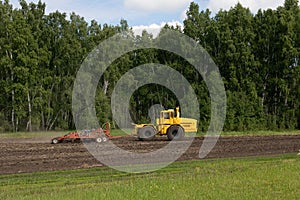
x=13, y=110
x=105, y=87
x=51, y=125
x=29, y=124
x=10, y=56
x=43, y=120
x=17, y=124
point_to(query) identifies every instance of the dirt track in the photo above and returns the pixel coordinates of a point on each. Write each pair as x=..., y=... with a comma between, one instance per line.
x=26, y=155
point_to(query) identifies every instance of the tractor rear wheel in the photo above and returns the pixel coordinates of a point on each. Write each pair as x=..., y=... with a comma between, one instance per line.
x=146, y=133
x=175, y=133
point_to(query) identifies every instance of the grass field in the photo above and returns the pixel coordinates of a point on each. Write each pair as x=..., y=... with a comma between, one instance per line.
x=241, y=178
x=256, y=133
x=120, y=132
x=38, y=134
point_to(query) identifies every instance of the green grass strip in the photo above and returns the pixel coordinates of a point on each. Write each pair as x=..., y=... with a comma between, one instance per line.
x=117, y=132
x=274, y=177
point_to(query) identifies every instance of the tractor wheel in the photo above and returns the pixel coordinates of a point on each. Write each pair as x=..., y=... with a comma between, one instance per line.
x=55, y=141
x=175, y=133
x=146, y=133
x=104, y=139
x=99, y=140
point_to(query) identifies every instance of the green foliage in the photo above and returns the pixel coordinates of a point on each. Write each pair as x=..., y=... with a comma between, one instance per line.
x=40, y=55
x=258, y=57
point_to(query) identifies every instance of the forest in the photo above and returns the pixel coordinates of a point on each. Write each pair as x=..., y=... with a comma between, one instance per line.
x=257, y=54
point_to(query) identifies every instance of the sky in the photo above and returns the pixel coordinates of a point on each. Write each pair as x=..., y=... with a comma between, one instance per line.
x=145, y=14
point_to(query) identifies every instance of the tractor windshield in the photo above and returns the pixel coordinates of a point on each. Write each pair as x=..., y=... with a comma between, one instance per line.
x=166, y=115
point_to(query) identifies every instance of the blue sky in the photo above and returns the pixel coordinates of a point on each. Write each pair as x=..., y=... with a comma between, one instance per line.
x=136, y=12
x=144, y=14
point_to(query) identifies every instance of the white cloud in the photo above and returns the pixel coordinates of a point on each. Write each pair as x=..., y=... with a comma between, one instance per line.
x=254, y=5
x=154, y=29
x=156, y=5
x=183, y=15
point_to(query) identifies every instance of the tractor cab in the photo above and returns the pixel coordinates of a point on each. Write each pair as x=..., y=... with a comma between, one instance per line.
x=168, y=117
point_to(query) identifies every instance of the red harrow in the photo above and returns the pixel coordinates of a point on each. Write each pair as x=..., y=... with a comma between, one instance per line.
x=98, y=135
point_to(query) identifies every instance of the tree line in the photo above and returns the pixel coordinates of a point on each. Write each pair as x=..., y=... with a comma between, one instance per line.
x=257, y=54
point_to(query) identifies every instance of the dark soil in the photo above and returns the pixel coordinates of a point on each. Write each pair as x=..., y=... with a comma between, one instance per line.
x=21, y=155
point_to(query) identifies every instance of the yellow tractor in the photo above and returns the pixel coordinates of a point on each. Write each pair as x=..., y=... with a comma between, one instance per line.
x=169, y=123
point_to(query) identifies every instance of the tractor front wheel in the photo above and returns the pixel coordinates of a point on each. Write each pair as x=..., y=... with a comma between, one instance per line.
x=146, y=133
x=175, y=133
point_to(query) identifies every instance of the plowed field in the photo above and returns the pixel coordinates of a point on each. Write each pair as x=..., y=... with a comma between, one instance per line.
x=32, y=155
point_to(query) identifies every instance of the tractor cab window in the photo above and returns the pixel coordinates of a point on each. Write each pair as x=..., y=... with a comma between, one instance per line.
x=166, y=116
